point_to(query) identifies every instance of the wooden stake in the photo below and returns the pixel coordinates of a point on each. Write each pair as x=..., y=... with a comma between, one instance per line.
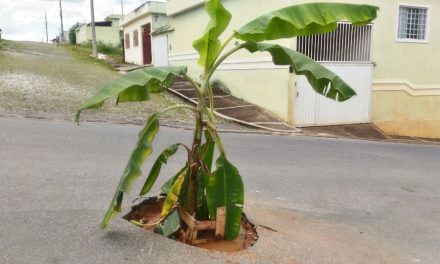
x=220, y=223
x=194, y=226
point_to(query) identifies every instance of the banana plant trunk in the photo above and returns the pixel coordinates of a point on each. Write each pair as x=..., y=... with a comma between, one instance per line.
x=190, y=203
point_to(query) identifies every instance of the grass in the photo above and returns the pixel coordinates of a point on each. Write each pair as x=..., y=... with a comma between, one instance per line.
x=101, y=47
x=83, y=53
x=6, y=43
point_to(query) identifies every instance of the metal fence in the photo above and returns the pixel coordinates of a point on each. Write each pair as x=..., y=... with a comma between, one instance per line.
x=348, y=44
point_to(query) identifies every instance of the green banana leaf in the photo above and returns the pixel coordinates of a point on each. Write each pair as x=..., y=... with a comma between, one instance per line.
x=133, y=168
x=134, y=86
x=202, y=212
x=207, y=155
x=322, y=80
x=207, y=150
x=173, y=195
x=209, y=46
x=166, y=187
x=225, y=188
x=170, y=225
x=303, y=20
x=155, y=170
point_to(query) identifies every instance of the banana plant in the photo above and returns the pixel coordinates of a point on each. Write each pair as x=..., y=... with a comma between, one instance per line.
x=199, y=187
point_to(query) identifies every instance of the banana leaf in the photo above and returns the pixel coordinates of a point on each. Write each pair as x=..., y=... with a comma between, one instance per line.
x=173, y=195
x=304, y=20
x=209, y=46
x=134, y=86
x=322, y=80
x=206, y=155
x=166, y=187
x=133, y=168
x=170, y=225
x=155, y=170
x=225, y=188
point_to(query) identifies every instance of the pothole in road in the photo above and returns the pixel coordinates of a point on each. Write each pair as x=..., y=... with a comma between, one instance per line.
x=148, y=211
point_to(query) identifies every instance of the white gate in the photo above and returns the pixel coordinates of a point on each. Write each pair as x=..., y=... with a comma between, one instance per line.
x=346, y=52
x=160, y=50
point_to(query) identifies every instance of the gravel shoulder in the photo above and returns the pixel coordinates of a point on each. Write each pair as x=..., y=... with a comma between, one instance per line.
x=38, y=79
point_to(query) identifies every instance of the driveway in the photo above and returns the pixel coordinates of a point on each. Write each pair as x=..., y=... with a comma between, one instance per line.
x=329, y=200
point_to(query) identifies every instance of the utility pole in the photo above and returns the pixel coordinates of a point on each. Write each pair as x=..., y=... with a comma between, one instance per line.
x=62, y=30
x=47, y=35
x=121, y=32
x=92, y=24
x=122, y=8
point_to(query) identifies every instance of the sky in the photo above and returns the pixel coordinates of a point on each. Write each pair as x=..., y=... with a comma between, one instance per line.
x=24, y=19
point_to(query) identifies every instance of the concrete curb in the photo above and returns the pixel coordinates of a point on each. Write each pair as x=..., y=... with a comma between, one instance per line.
x=222, y=130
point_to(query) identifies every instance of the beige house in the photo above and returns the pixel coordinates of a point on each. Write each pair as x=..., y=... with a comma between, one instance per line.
x=64, y=37
x=392, y=64
x=146, y=34
x=107, y=31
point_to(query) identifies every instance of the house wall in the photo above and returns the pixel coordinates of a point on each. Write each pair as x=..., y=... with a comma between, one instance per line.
x=160, y=21
x=176, y=6
x=109, y=35
x=82, y=34
x=407, y=110
x=135, y=54
x=251, y=77
x=399, y=66
x=152, y=13
x=406, y=85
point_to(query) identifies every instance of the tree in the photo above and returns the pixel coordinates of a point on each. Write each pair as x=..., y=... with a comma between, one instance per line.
x=72, y=33
x=198, y=188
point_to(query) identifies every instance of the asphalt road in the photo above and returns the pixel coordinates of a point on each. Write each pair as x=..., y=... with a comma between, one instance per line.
x=331, y=200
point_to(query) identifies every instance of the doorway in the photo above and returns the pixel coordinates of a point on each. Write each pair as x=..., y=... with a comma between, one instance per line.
x=146, y=44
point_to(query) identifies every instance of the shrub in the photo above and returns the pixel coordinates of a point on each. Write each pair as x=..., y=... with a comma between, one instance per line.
x=104, y=48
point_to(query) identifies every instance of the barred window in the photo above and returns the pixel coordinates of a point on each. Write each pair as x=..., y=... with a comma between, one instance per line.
x=127, y=40
x=135, y=38
x=413, y=23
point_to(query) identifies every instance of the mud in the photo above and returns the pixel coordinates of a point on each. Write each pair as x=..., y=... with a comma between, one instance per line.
x=148, y=212
x=248, y=237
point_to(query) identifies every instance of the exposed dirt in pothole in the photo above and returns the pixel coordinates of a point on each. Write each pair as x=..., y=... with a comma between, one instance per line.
x=248, y=237
x=148, y=212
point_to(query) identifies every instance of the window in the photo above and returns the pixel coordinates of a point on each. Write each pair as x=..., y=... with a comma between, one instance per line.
x=127, y=40
x=413, y=23
x=135, y=38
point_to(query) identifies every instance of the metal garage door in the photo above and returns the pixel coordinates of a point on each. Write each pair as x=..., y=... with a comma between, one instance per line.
x=347, y=52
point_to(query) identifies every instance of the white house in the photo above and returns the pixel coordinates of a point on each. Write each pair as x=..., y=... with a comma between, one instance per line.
x=145, y=34
x=391, y=63
x=107, y=31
